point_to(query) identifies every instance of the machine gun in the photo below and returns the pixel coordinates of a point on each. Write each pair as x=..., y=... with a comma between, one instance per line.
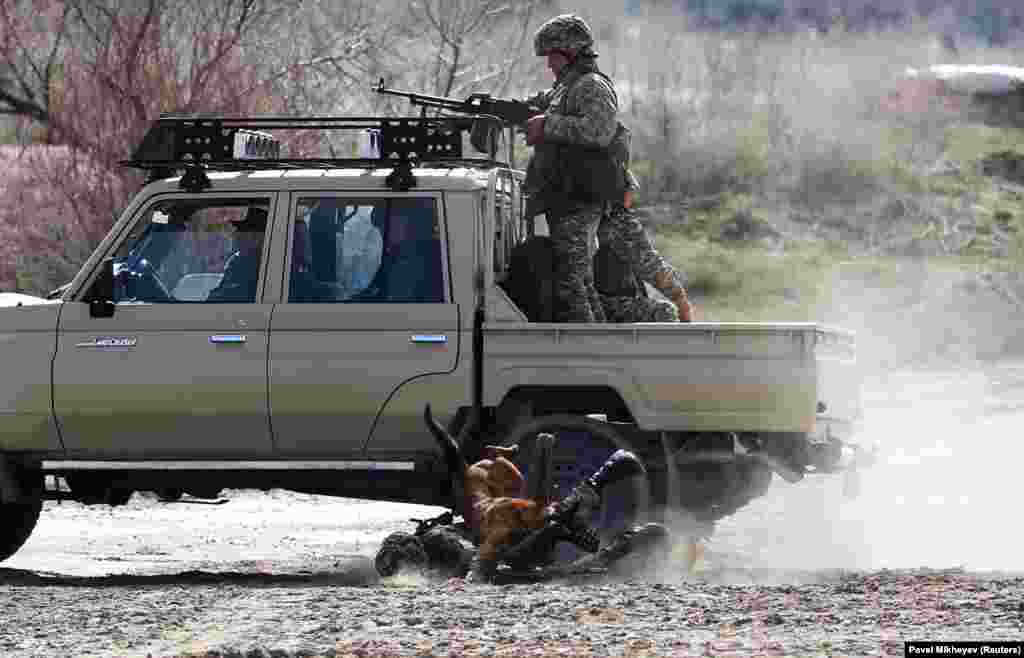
x=510, y=113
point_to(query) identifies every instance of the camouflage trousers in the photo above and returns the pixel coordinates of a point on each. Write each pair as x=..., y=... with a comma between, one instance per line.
x=572, y=235
x=638, y=309
x=620, y=228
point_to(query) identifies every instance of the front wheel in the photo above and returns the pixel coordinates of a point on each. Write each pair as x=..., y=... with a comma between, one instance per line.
x=18, y=520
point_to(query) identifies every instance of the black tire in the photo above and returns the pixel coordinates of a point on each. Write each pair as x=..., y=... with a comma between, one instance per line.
x=18, y=520
x=713, y=486
x=581, y=446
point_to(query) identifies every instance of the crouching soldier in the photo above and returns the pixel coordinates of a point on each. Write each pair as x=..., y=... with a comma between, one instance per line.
x=621, y=230
x=622, y=293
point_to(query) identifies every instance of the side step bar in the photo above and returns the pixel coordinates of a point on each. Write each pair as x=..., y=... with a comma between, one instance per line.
x=251, y=465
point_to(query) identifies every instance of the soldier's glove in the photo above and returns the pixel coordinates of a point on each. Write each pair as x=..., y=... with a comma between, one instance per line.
x=669, y=284
x=685, y=308
x=535, y=130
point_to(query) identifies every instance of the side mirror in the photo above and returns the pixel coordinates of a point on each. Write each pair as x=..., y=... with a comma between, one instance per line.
x=101, y=295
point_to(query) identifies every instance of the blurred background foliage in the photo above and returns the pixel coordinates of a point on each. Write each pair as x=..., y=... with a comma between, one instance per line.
x=765, y=156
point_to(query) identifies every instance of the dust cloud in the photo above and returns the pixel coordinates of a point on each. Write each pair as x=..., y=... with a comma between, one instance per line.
x=941, y=495
x=943, y=402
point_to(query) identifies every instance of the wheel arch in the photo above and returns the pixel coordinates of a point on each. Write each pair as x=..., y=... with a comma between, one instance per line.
x=575, y=400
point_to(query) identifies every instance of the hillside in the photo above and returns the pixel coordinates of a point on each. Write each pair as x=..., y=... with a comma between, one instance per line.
x=925, y=264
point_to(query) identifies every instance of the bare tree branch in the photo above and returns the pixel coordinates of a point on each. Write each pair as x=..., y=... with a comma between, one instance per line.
x=511, y=67
x=20, y=107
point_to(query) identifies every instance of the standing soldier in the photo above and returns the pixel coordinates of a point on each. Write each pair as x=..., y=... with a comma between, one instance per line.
x=579, y=174
x=573, y=152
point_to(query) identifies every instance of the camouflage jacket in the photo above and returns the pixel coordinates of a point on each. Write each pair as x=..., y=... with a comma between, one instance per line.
x=580, y=108
x=584, y=155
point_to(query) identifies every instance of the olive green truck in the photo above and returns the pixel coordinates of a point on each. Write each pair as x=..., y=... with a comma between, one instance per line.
x=269, y=322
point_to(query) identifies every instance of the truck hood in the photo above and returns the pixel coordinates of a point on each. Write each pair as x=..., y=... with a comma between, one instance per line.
x=18, y=299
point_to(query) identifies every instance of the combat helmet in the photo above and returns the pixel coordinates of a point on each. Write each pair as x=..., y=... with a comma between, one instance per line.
x=566, y=32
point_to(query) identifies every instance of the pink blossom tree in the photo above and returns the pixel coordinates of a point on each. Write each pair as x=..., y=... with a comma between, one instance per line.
x=87, y=77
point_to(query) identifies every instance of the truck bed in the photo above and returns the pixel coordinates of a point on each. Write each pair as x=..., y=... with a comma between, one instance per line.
x=740, y=377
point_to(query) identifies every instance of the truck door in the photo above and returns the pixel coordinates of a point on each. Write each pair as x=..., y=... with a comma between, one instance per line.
x=367, y=306
x=180, y=368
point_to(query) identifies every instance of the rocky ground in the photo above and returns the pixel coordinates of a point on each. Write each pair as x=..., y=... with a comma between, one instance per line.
x=795, y=613
x=930, y=550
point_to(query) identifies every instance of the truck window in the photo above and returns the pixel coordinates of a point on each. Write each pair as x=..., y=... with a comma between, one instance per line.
x=366, y=251
x=193, y=251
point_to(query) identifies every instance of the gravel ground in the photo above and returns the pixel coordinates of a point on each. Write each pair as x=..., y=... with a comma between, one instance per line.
x=792, y=614
x=926, y=552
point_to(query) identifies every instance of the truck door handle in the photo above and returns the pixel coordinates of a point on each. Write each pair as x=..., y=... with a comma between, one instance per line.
x=428, y=338
x=227, y=338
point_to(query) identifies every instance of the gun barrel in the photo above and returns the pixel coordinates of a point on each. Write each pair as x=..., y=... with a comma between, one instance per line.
x=421, y=99
x=510, y=112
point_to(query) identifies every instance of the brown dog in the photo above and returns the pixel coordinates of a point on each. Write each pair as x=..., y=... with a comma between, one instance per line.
x=489, y=493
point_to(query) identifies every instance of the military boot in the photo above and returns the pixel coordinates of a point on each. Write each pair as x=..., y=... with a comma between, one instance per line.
x=581, y=502
x=667, y=283
x=644, y=542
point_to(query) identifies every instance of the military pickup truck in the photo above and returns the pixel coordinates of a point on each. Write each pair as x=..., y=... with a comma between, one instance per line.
x=255, y=321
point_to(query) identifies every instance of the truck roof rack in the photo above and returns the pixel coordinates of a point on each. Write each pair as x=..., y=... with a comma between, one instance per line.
x=195, y=143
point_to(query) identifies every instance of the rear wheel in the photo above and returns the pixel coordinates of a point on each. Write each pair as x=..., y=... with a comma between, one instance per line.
x=581, y=446
x=704, y=479
x=17, y=520
x=712, y=490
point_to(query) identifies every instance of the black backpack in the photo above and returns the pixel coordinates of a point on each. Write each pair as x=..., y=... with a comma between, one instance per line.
x=531, y=279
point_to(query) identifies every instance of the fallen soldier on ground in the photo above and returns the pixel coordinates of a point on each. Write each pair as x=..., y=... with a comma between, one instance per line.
x=506, y=535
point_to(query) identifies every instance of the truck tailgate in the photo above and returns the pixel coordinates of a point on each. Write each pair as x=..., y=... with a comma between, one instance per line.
x=766, y=377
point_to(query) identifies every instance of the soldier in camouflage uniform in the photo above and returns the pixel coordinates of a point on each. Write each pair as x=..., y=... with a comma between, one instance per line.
x=621, y=230
x=638, y=309
x=521, y=532
x=622, y=293
x=579, y=110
